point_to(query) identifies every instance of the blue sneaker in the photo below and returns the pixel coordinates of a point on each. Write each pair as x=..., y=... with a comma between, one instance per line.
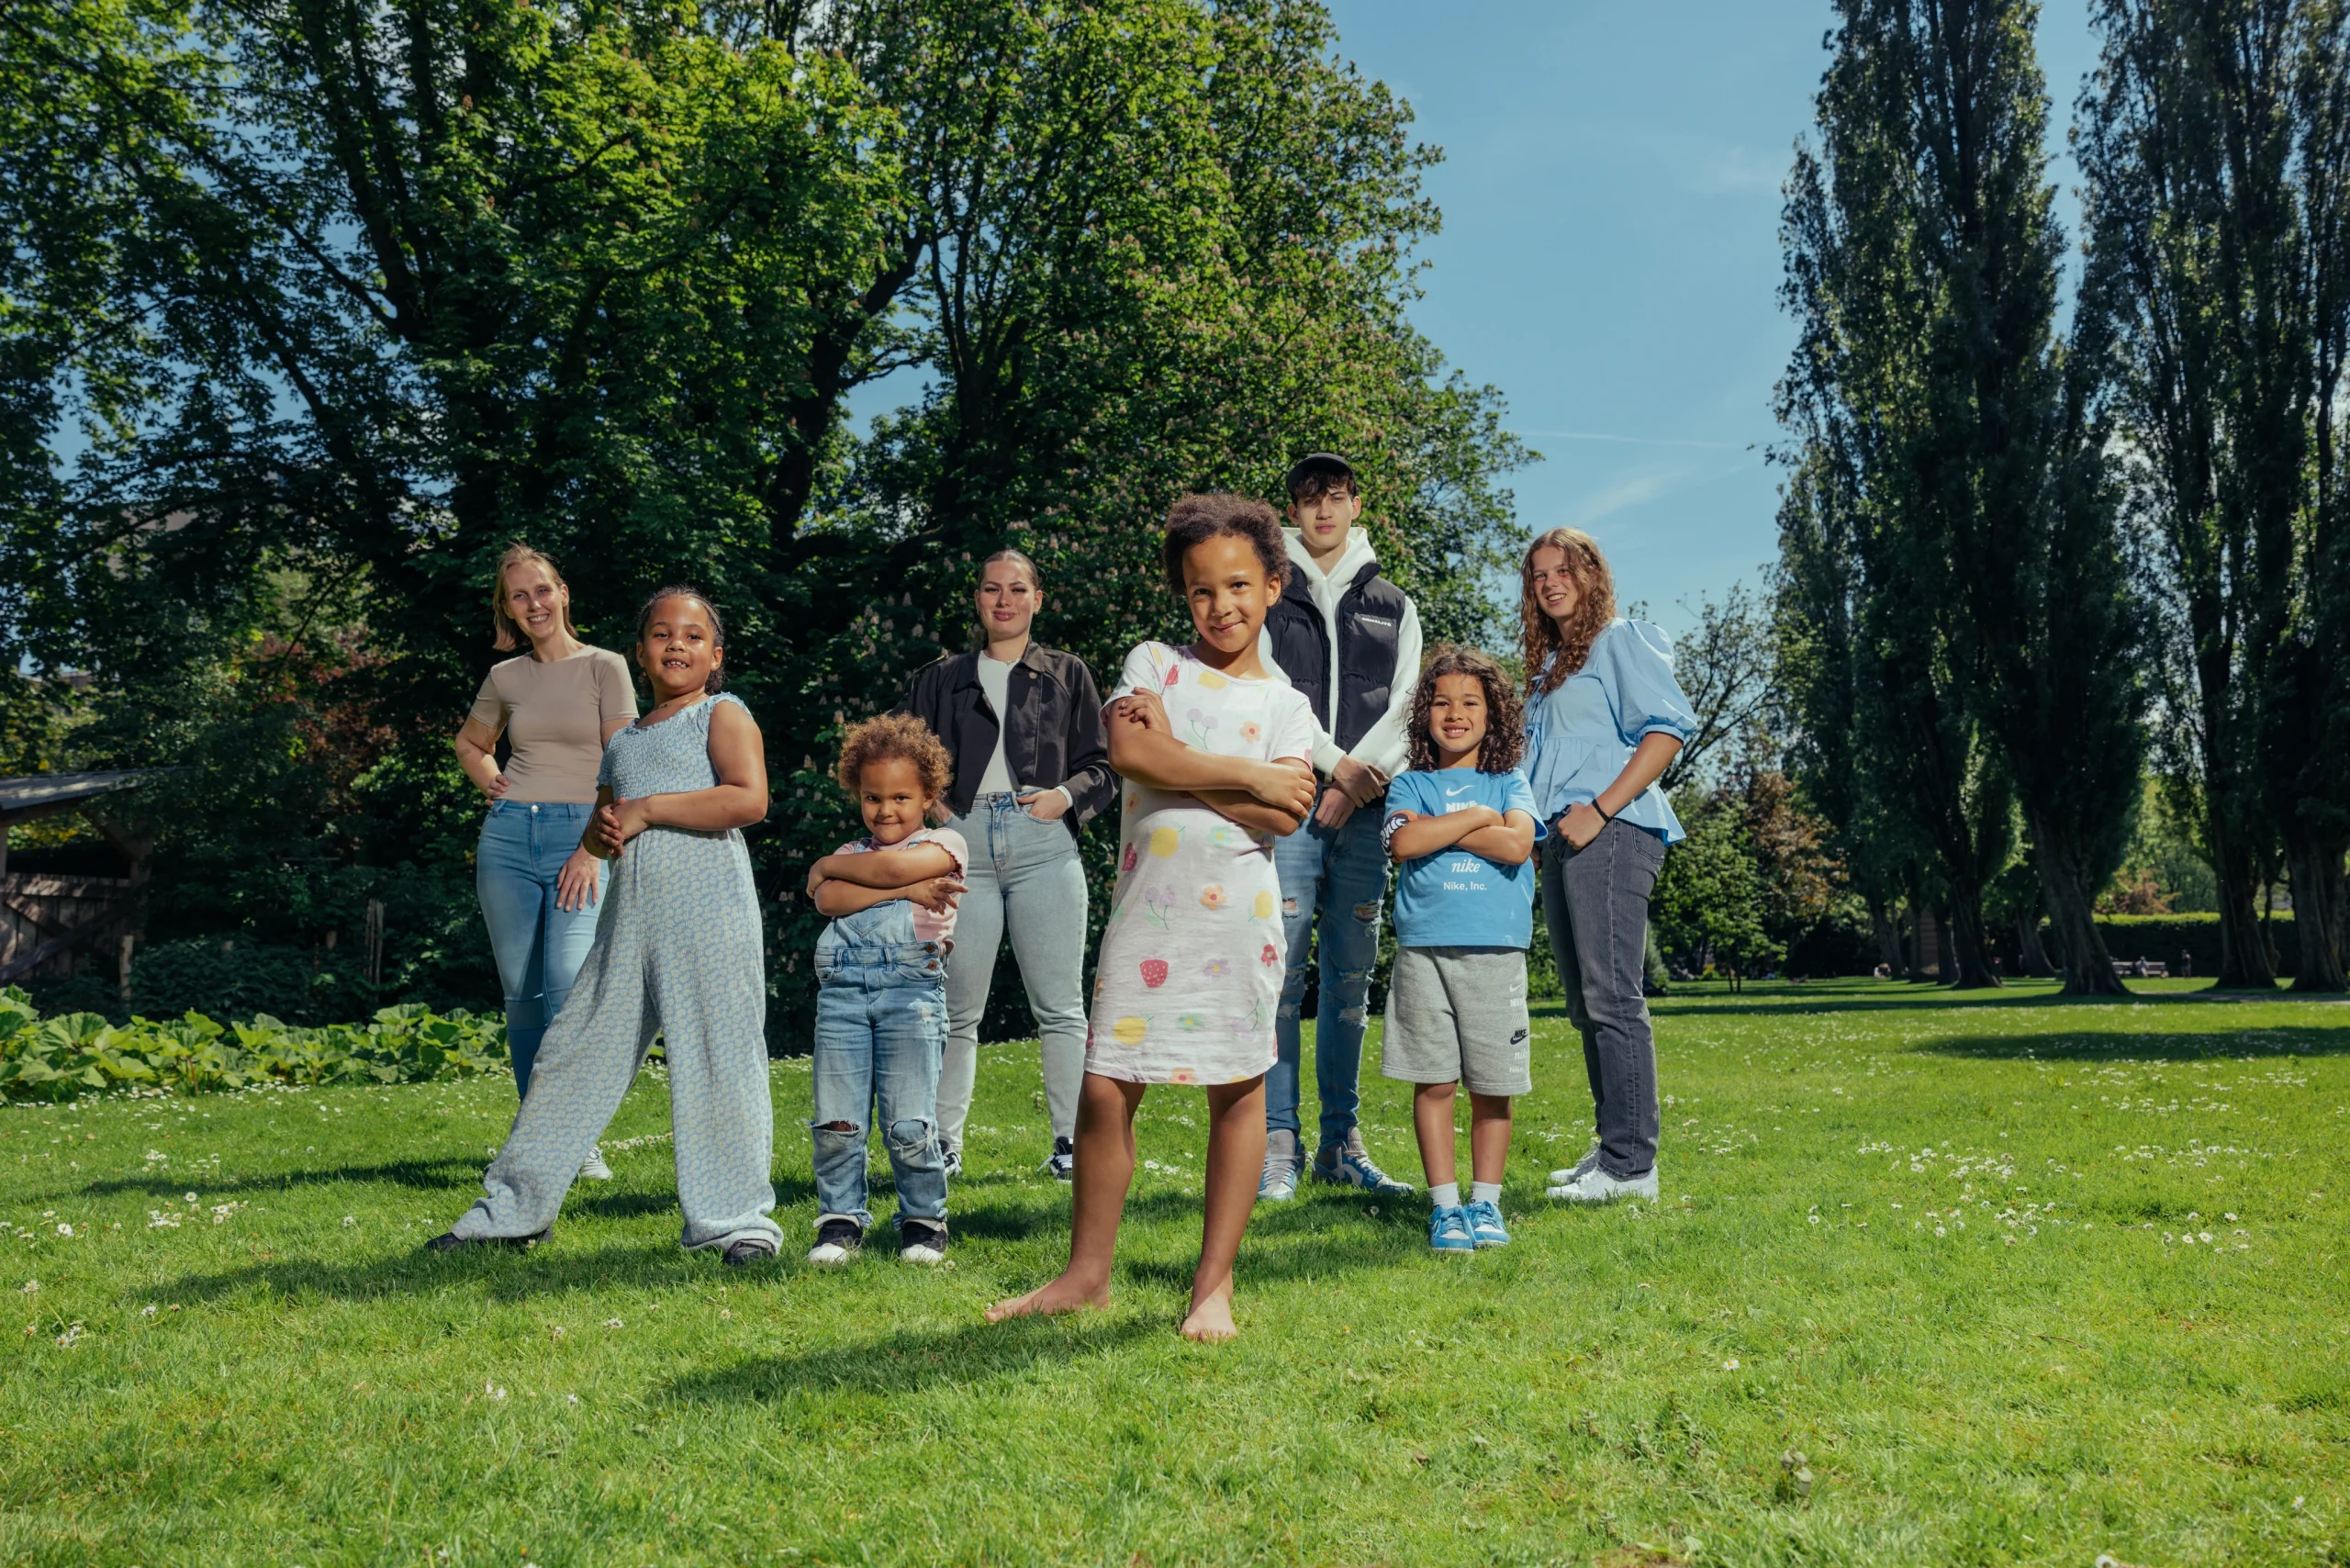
x=1448, y=1232
x=1485, y=1221
x=1347, y=1165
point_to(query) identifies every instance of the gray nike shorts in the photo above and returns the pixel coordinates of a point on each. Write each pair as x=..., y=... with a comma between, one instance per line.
x=1458, y=1014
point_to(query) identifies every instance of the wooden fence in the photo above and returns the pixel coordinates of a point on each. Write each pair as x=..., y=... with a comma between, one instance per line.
x=47, y=922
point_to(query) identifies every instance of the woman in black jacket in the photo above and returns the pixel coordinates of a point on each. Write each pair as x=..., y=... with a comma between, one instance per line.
x=1031, y=766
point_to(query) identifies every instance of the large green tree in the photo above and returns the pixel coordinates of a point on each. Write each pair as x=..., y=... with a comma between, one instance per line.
x=358, y=294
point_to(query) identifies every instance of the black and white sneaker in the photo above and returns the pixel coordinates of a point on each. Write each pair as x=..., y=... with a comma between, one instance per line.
x=921, y=1241
x=950, y=1159
x=450, y=1241
x=743, y=1254
x=1062, y=1166
x=838, y=1240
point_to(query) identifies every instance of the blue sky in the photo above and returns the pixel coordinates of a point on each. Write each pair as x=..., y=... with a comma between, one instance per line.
x=1610, y=255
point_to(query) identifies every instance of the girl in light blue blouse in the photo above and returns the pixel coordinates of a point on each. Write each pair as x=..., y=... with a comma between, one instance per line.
x=1604, y=719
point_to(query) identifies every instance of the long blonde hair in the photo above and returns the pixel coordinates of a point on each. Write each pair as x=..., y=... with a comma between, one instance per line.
x=1552, y=653
x=510, y=634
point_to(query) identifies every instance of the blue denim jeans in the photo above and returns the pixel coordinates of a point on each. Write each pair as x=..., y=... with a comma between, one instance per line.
x=881, y=1032
x=539, y=947
x=1023, y=880
x=1342, y=876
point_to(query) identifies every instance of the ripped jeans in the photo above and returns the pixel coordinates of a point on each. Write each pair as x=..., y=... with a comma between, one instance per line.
x=1342, y=875
x=880, y=1035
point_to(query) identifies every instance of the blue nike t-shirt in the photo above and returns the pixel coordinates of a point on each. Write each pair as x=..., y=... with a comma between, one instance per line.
x=1457, y=898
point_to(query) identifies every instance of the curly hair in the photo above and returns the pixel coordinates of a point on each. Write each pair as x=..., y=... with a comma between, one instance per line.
x=895, y=736
x=507, y=635
x=716, y=680
x=1549, y=653
x=1195, y=520
x=1505, y=743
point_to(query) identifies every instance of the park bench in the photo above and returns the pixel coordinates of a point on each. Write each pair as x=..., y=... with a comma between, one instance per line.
x=2141, y=969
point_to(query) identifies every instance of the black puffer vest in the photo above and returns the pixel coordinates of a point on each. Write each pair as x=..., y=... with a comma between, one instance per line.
x=1370, y=621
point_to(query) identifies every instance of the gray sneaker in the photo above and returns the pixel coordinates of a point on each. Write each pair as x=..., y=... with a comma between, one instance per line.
x=1595, y=1186
x=1282, y=1163
x=1574, y=1172
x=593, y=1168
x=1349, y=1165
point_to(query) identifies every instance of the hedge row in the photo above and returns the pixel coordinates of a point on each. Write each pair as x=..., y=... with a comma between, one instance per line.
x=2161, y=938
x=65, y=1056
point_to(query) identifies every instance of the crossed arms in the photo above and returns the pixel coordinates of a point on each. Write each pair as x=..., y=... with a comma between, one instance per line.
x=847, y=883
x=1481, y=830
x=1268, y=797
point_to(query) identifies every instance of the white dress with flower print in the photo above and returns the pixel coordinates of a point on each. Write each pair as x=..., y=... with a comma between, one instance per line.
x=1189, y=971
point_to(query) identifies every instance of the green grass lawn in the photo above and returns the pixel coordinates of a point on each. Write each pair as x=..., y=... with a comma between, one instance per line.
x=2022, y=1282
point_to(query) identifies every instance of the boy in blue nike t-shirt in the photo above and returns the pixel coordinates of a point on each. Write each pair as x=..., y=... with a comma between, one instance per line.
x=1461, y=827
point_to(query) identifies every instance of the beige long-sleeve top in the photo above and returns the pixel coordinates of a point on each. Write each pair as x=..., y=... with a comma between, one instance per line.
x=554, y=716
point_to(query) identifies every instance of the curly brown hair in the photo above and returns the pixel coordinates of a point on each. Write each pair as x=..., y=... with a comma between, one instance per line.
x=895, y=736
x=1195, y=520
x=1549, y=653
x=1505, y=743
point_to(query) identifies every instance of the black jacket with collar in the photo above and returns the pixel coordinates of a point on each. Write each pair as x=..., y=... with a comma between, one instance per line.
x=1053, y=734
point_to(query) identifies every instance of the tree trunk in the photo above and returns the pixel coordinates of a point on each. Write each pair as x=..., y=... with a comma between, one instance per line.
x=2070, y=892
x=2034, y=955
x=2246, y=963
x=1966, y=948
x=2319, y=887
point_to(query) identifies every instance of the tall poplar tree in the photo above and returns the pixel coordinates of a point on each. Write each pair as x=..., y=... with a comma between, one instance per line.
x=2213, y=141
x=1992, y=640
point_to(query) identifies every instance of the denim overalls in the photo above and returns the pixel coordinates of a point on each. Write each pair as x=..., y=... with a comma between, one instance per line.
x=880, y=1033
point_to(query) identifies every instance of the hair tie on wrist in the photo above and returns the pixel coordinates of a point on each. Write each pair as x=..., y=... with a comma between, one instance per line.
x=1604, y=814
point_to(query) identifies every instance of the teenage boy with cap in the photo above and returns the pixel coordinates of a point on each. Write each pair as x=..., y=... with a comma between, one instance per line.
x=1349, y=640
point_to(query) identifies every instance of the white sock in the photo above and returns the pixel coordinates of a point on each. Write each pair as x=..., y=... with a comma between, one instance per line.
x=1485, y=1193
x=1444, y=1196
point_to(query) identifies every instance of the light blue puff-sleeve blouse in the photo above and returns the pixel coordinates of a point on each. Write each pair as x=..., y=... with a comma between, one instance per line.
x=1579, y=734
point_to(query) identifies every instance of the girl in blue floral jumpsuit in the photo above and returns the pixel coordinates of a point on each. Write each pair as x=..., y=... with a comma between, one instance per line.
x=678, y=953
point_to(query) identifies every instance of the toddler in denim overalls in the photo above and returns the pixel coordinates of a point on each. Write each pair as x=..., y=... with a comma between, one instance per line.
x=881, y=998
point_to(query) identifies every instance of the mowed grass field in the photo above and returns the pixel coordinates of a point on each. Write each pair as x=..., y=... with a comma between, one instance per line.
x=2021, y=1282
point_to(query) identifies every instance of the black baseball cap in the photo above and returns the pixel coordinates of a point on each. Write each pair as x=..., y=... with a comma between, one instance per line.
x=1315, y=464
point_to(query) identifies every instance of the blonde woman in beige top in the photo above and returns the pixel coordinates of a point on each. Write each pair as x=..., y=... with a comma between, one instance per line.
x=556, y=706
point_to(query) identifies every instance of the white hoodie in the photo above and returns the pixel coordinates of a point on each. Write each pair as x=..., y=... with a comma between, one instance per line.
x=1387, y=745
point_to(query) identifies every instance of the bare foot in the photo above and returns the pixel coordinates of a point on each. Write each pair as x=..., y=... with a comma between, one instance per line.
x=1063, y=1295
x=1210, y=1320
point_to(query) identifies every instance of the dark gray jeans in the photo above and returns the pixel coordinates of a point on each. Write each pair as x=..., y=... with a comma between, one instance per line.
x=1595, y=904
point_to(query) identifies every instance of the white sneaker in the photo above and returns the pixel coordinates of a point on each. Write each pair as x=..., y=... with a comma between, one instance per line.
x=1595, y=1186
x=919, y=1242
x=1283, y=1162
x=593, y=1168
x=838, y=1240
x=1574, y=1172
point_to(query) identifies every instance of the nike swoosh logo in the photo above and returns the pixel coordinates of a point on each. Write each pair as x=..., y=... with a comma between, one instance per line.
x=1449, y=793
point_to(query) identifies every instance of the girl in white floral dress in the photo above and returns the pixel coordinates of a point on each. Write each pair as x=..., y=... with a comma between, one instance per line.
x=1212, y=749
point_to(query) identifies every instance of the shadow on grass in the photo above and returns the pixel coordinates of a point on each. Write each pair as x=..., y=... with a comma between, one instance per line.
x=1824, y=1000
x=913, y=1363
x=505, y=1274
x=453, y=1172
x=2152, y=1046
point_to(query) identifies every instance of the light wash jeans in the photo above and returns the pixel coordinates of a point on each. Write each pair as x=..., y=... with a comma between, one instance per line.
x=1025, y=878
x=1341, y=876
x=880, y=1029
x=539, y=947
x=1596, y=908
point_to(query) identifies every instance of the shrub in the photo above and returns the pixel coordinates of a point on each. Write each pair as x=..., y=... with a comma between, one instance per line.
x=66, y=1057
x=2162, y=937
